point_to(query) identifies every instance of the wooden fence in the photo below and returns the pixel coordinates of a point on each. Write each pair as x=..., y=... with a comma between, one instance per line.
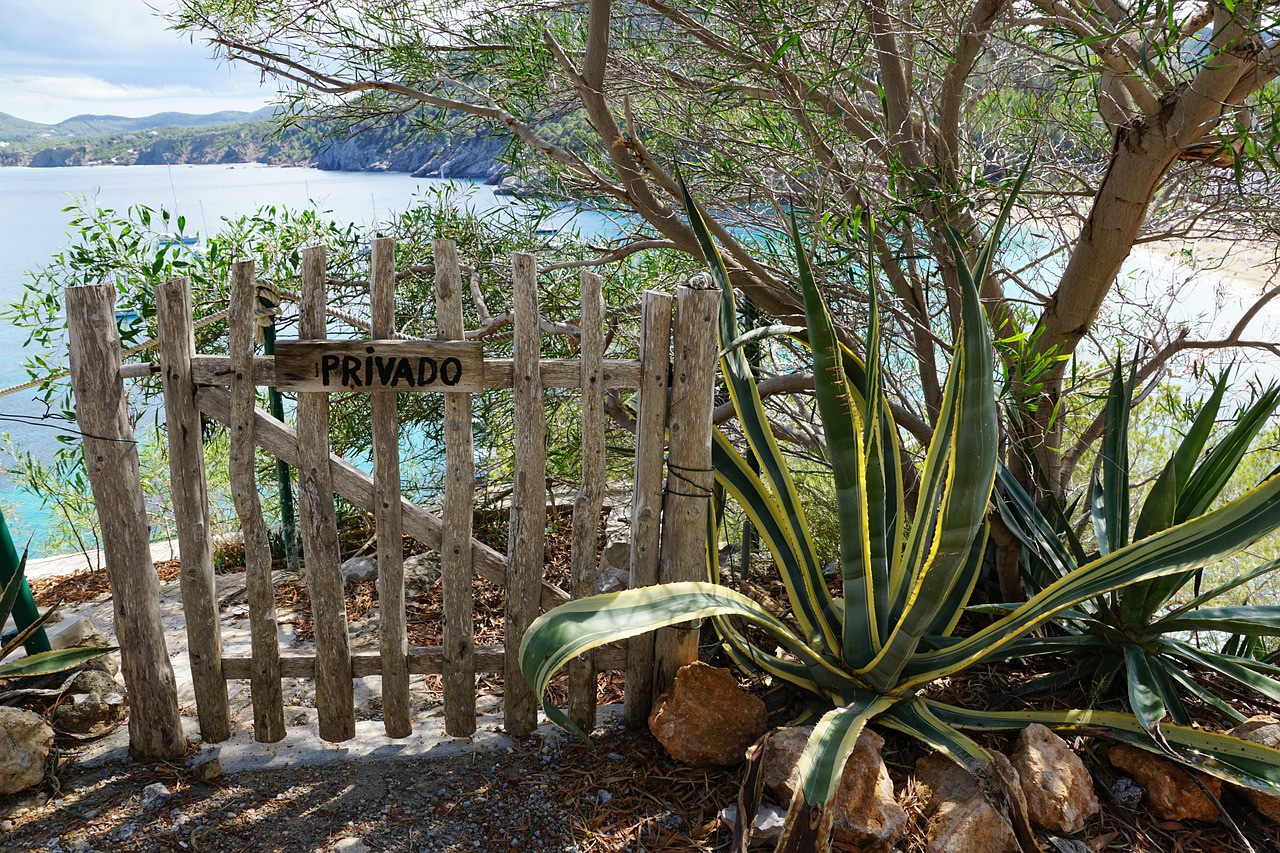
x=673, y=378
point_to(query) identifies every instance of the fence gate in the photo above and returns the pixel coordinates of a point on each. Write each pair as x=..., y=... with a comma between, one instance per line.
x=673, y=378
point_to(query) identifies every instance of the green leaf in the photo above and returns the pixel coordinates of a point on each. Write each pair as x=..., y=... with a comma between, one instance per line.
x=1203, y=540
x=1212, y=474
x=740, y=382
x=1231, y=759
x=1159, y=509
x=1225, y=665
x=1110, y=487
x=1146, y=691
x=578, y=626
x=971, y=458
x=760, y=333
x=12, y=589
x=44, y=663
x=1254, y=621
x=864, y=593
x=824, y=756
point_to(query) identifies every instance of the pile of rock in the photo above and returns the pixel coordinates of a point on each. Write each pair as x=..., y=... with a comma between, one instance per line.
x=87, y=701
x=706, y=719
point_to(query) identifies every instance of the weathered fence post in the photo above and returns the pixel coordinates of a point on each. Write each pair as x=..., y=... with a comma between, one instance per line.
x=111, y=456
x=527, y=536
x=394, y=639
x=335, y=704
x=265, y=689
x=689, y=478
x=456, y=568
x=646, y=500
x=590, y=499
x=176, y=331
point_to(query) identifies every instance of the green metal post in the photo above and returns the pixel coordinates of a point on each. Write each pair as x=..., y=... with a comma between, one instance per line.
x=24, y=610
x=275, y=404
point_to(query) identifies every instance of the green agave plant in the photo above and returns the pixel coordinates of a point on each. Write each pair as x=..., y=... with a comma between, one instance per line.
x=42, y=663
x=870, y=652
x=1142, y=630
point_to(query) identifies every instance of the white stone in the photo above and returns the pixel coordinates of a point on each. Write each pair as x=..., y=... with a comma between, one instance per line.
x=25, y=739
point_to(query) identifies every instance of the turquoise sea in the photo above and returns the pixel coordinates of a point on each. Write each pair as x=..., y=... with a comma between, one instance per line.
x=33, y=226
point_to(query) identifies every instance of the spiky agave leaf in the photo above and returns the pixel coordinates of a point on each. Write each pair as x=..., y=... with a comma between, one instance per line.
x=42, y=663
x=1231, y=759
x=575, y=627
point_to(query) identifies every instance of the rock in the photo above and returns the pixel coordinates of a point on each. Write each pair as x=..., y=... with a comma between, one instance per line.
x=205, y=765
x=81, y=633
x=25, y=739
x=421, y=570
x=961, y=820
x=1058, y=788
x=705, y=718
x=866, y=814
x=359, y=569
x=767, y=829
x=612, y=579
x=350, y=845
x=1127, y=792
x=614, y=573
x=97, y=701
x=75, y=633
x=154, y=796
x=1171, y=792
x=95, y=681
x=1265, y=730
x=88, y=713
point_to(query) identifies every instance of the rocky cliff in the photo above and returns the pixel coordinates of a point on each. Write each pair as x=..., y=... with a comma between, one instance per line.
x=385, y=149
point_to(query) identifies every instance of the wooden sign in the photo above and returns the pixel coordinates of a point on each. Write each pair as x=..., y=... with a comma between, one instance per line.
x=393, y=365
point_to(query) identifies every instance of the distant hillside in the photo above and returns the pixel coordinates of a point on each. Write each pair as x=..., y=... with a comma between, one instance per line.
x=239, y=137
x=89, y=125
x=13, y=129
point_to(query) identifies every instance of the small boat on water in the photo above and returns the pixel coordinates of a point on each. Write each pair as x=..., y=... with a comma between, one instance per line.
x=190, y=243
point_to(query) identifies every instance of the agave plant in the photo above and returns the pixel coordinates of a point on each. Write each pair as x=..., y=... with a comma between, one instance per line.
x=41, y=663
x=870, y=652
x=1142, y=630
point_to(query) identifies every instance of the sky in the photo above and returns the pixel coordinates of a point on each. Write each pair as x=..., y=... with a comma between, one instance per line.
x=60, y=58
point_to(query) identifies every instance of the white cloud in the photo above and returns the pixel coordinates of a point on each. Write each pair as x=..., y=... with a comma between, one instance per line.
x=110, y=56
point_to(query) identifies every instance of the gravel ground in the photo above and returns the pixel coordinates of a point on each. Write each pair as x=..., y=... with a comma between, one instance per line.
x=536, y=796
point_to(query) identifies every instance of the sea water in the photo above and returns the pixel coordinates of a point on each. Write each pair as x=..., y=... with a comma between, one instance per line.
x=34, y=226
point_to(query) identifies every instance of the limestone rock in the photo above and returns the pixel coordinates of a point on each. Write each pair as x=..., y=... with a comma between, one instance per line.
x=94, y=681
x=25, y=739
x=154, y=797
x=422, y=570
x=960, y=818
x=1171, y=792
x=89, y=713
x=614, y=573
x=74, y=633
x=770, y=820
x=97, y=701
x=82, y=633
x=1265, y=730
x=705, y=718
x=205, y=765
x=866, y=814
x=1058, y=788
x=359, y=569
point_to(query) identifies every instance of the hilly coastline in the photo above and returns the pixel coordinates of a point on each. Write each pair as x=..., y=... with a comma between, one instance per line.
x=241, y=137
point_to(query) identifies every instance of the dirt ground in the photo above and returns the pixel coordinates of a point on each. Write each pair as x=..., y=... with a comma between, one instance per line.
x=623, y=794
x=540, y=794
